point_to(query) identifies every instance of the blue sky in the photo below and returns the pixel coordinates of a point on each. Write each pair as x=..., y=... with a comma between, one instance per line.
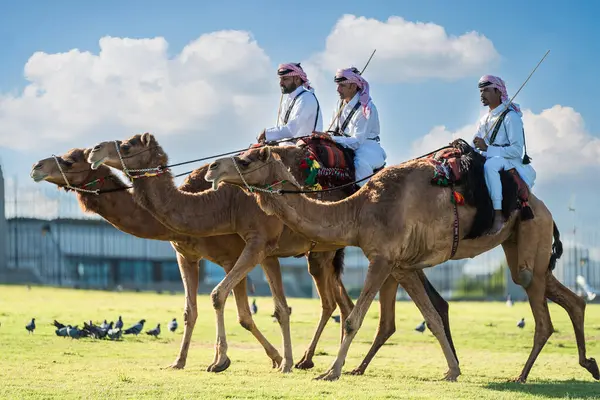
x=289, y=31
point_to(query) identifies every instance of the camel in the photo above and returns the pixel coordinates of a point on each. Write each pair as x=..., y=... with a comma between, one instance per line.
x=188, y=213
x=403, y=222
x=119, y=209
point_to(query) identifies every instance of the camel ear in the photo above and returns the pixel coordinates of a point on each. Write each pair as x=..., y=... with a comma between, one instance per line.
x=264, y=153
x=147, y=139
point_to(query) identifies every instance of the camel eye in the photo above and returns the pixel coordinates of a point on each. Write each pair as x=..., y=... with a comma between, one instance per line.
x=243, y=162
x=67, y=163
x=125, y=147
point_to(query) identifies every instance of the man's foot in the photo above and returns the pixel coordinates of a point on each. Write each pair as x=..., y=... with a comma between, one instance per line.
x=498, y=223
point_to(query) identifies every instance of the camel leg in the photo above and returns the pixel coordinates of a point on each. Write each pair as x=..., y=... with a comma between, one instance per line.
x=379, y=270
x=319, y=267
x=253, y=254
x=240, y=294
x=282, y=311
x=343, y=300
x=413, y=285
x=387, y=321
x=189, y=275
x=575, y=307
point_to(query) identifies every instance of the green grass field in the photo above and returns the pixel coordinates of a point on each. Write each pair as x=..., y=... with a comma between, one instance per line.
x=410, y=365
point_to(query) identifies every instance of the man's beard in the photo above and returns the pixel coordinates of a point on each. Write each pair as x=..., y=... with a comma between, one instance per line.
x=286, y=89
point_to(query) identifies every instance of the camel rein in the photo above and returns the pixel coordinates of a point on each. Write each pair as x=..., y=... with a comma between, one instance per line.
x=149, y=172
x=269, y=189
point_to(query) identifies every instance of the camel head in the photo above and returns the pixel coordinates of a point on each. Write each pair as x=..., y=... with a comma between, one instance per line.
x=73, y=165
x=259, y=167
x=137, y=152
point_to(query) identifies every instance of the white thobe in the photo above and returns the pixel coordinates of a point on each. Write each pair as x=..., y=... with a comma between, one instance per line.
x=506, y=152
x=360, y=134
x=301, y=121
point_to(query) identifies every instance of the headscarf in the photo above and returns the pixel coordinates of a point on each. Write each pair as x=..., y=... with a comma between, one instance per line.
x=353, y=75
x=294, y=69
x=497, y=83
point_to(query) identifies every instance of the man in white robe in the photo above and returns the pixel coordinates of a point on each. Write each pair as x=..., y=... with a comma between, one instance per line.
x=357, y=126
x=300, y=114
x=500, y=138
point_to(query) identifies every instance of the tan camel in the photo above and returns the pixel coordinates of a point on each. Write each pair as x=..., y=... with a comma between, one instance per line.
x=119, y=209
x=404, y=223
x=187, y=213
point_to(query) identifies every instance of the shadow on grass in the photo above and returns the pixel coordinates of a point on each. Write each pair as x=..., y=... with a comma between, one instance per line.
x=560, y=389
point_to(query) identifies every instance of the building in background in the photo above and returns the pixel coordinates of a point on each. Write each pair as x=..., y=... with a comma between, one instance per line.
x=47, y=240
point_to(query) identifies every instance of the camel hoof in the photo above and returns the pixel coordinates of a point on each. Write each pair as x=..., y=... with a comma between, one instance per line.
x=328, y=376
x=286, y=367
x=305, y=364
x=358, y=371
x=219, y=368
x=451, y=376
x=277, y=362
x=518, y=379
x=525, y=278
x=592, y=366
x=174, y=366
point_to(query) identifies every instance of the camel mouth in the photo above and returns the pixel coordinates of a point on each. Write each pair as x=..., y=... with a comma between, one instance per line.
x=38, y=176
x=210, y=177
x=96, y=164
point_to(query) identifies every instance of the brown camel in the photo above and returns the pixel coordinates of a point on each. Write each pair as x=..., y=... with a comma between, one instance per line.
x=119, y=209
x=187, y=213
x=404, y=223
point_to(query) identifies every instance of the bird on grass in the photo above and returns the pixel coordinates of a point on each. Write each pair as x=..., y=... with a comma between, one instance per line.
x=254, y=307
x=336, y=318
x=521, y=323
x=154, y=332
x=173, y=325
x=31, y=326
x=420, y=327
x=135, y=329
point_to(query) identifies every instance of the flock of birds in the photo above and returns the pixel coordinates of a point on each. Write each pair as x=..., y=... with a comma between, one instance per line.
x=112, y=330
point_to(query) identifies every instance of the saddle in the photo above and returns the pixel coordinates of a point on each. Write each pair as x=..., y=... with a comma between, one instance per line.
x=460, y=165
x=328, y=164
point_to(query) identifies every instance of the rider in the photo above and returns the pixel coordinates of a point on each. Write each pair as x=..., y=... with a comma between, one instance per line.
x=500, y=138
x=301, y=111
x=357, y=125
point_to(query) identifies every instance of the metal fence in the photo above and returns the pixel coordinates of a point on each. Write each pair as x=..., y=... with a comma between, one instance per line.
x=48, y=233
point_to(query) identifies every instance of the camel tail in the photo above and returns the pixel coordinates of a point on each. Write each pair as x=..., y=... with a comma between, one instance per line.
x=557, y=248
x=338, y=262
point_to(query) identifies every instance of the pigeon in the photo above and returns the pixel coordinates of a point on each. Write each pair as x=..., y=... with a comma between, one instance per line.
x=420, y=327
x=254, y=307
x=104, y=325
x=74, y=332
x=521, y=323
x=62, y=331
x=119, y=324
x=31, y=326
x=135, y=329
x=336, y=318
x=114, y=334
x=154, y=332
x=173, y=325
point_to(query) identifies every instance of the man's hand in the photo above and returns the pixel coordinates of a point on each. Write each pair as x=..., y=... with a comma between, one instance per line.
x=262, y=137
x=480, y=144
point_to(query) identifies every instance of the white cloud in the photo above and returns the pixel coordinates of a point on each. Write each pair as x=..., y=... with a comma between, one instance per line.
x=405, y=50
x=221, y=85
x=557, y=141
x=216, y=84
